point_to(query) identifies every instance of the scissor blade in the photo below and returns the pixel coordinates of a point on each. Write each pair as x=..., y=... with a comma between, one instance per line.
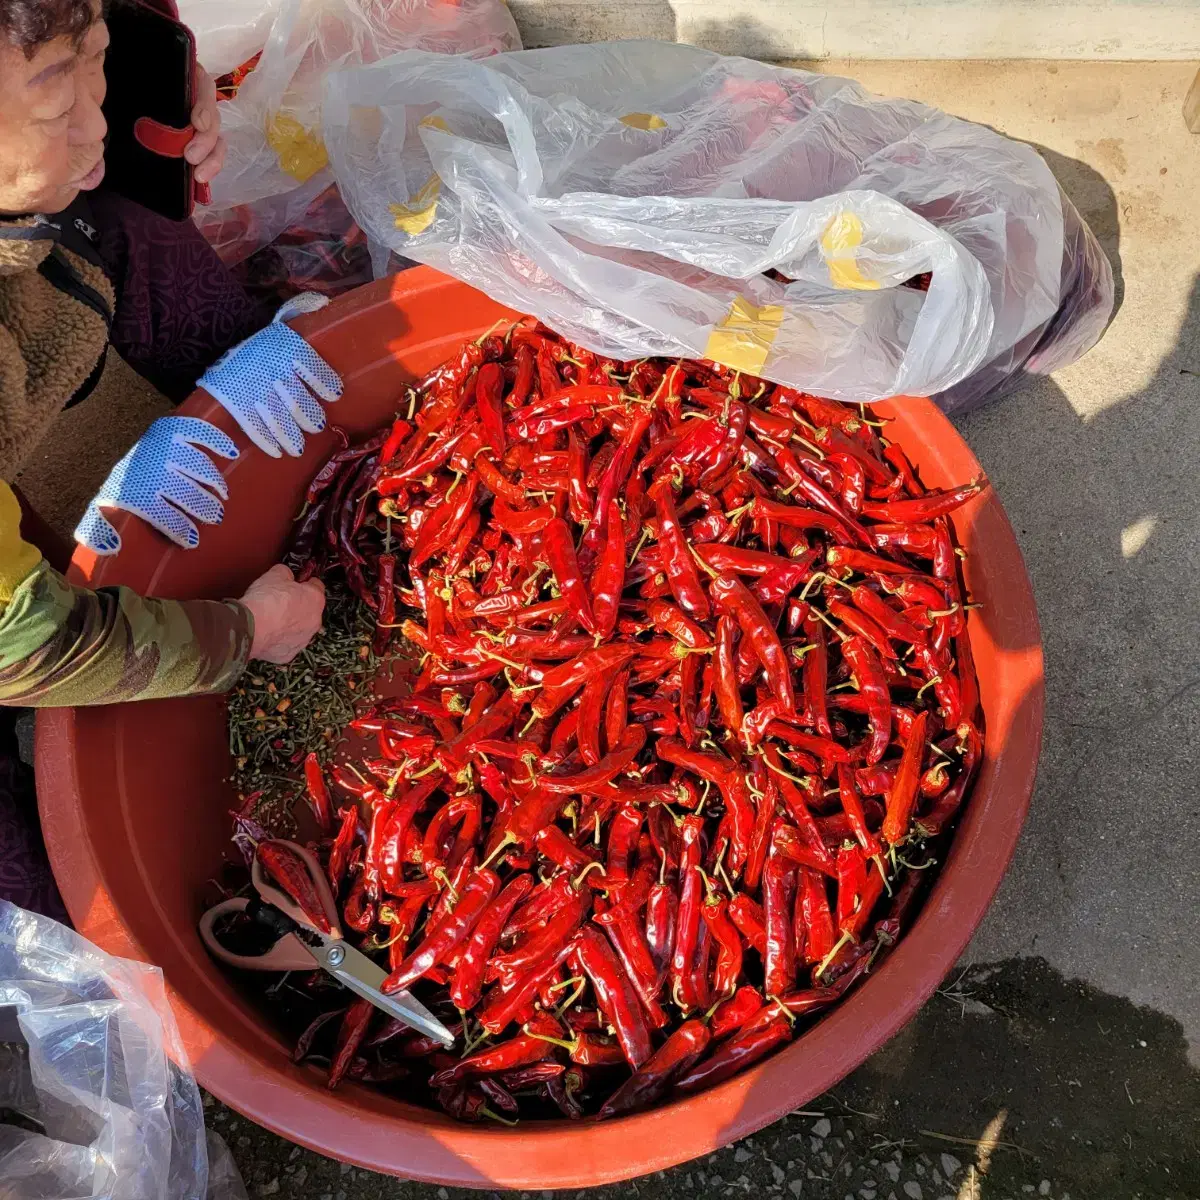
x=355, y=970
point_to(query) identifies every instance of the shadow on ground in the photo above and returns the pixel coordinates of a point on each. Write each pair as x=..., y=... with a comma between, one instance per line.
x=1010, y=1081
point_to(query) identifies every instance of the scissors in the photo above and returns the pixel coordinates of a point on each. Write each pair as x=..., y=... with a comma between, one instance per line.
x=300, y=946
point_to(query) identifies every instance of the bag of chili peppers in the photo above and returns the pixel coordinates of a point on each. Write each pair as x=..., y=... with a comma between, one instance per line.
x=95, y=1095
x=653, y=199
x=276, y=189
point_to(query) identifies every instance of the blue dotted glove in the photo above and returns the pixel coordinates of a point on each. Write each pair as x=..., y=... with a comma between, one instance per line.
x=159, y=480
x=262, y=383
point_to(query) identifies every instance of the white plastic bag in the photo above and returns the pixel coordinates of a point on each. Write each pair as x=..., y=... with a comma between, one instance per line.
x=648, y=198
x=89, y=1053
x=227, y=32
x=276, y=167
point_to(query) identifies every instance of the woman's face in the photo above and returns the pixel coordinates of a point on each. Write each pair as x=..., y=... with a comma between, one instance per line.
x=51, y=127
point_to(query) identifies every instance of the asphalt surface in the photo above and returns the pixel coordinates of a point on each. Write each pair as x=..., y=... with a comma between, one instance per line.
x=1064, y=1062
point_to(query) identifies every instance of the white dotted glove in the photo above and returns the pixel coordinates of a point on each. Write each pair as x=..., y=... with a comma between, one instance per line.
x=264, y=383
x=160, y=481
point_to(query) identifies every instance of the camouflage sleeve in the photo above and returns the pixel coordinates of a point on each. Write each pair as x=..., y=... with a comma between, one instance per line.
x=64, y=645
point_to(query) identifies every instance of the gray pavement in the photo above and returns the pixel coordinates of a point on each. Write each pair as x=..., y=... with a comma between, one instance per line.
x=1063, y=1068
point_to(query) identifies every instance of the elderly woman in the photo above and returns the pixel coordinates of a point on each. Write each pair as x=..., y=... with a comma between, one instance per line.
x=80, y=269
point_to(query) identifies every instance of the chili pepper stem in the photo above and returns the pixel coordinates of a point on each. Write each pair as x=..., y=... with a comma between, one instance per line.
x=570, y=1047
x=780, y=771
x=724, y=874
x=640, y=543
x=507, y=840
x=837, y=946
x=703, y=565
x=677, y=999
x=816, y=578
x=926, y=686
x=580, y=987
x=486, y=1111
x=784, y=1011
x=440, y=874
x=593, y=866
x=809, y=446
x=878, y=861
x=816, y=612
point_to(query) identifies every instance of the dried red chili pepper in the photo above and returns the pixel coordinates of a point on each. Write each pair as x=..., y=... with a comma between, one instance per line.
x=902, y=798
x=729, y=945
x=489, y=389
x=732, y=597
x=616, y=710
x=304, y=1042
x=725, y=683
x=466, y=988
x=291, y=873
x=852, y=806
x=650, y=1082
x=540, y=945
x=859, y=623
x=766, y=802
x=350, y=1037
x=934, y=822
x=621, y=924
x=662, y=908
x=926, y=507
x=872, y=686
x=604, y=772
x=687, y=924
x=503, y=531
x=446, y=936
x=818, y=920
x=318, y=793
x=682, y=573
x=526, y=1048
x=779, y=882
x=594, y=957
x=343, y=843
x=755, y=1041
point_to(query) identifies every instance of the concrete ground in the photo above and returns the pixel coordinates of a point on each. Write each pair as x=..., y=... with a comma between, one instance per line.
x=1062, y=1061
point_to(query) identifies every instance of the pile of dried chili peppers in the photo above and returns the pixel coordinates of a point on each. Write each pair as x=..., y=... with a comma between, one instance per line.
x=692, y=698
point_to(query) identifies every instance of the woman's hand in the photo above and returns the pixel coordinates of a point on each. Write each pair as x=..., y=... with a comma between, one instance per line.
x=287, y=614
x=206, y=150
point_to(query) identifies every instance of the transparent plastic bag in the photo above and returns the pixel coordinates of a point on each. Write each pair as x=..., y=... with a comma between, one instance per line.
x=93, y=1077
x=276, y=175
x=649, y=198
x=227, y=32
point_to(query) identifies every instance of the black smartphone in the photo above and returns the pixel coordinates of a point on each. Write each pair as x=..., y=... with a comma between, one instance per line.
x=150, y=71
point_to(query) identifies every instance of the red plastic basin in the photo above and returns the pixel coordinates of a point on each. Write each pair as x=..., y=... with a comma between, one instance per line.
x=134, y=802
